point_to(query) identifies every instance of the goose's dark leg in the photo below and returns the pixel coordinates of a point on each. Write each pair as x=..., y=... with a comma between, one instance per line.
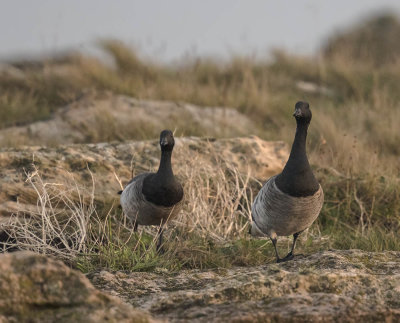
x=159, y=243
x=295, y=236
x=135, y=226
x=290, y=255
x=276, y=250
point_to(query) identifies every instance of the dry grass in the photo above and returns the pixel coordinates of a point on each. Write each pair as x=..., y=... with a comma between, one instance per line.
x=60, y=224
x=217, y=198
x=66, y=224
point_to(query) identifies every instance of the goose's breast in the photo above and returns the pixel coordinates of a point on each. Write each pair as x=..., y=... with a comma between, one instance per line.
x=140, y=210
x=276, y=212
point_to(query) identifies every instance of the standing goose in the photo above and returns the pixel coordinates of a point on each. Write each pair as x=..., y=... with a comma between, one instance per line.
x=290, y=202
x=154, y=198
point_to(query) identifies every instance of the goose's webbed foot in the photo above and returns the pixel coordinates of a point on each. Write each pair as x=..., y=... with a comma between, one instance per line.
x=289, y=256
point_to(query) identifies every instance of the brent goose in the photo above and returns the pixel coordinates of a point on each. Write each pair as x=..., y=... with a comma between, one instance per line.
x=154, y=198
x=290, y=202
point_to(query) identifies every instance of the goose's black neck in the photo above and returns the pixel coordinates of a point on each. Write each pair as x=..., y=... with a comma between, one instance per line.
x=297, y=178
x=299, y=150
x=165, y=168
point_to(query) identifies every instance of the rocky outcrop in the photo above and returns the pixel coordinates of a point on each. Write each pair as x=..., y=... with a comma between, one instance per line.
x=109, y=162
x=329, y=286
x=105, y=117
x=35, y=288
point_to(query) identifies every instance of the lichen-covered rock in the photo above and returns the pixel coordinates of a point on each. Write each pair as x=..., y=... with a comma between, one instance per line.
x=106, y=162
x=35, y=288
x=329, y=286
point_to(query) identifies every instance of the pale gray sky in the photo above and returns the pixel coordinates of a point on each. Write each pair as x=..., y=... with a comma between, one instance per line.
x=170, y=29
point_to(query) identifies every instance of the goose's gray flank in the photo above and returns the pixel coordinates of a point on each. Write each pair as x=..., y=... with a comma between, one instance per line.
x=154, y=198
x=289, y=202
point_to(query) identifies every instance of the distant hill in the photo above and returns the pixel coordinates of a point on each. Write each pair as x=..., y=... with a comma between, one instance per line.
x=374, y=40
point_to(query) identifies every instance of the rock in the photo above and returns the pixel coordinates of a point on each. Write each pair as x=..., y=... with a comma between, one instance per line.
x=329, y=286
x=35, y=288
x=310, y=87
x=105, y=117
x=107, y=162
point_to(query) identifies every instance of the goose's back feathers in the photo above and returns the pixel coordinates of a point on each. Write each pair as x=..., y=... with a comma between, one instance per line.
x=142, y=211
x=277, y=213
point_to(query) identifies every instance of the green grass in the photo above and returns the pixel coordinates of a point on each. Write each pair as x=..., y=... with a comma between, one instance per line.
x=137, y=254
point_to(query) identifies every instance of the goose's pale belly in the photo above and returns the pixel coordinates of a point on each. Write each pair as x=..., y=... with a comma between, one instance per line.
x=277, y=214
x=141, y=211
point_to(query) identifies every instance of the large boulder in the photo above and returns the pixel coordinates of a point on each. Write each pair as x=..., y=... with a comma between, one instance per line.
x=106, y=117
x=35, y=288
x=329, y=286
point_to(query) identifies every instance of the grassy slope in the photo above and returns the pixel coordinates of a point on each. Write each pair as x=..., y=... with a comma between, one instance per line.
x=353, y=140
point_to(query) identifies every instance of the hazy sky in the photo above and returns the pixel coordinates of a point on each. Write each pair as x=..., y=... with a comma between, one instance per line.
x=170, y=29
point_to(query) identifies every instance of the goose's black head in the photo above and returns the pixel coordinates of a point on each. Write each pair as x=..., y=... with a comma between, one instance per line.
x=167, y=140
x=302, y=112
